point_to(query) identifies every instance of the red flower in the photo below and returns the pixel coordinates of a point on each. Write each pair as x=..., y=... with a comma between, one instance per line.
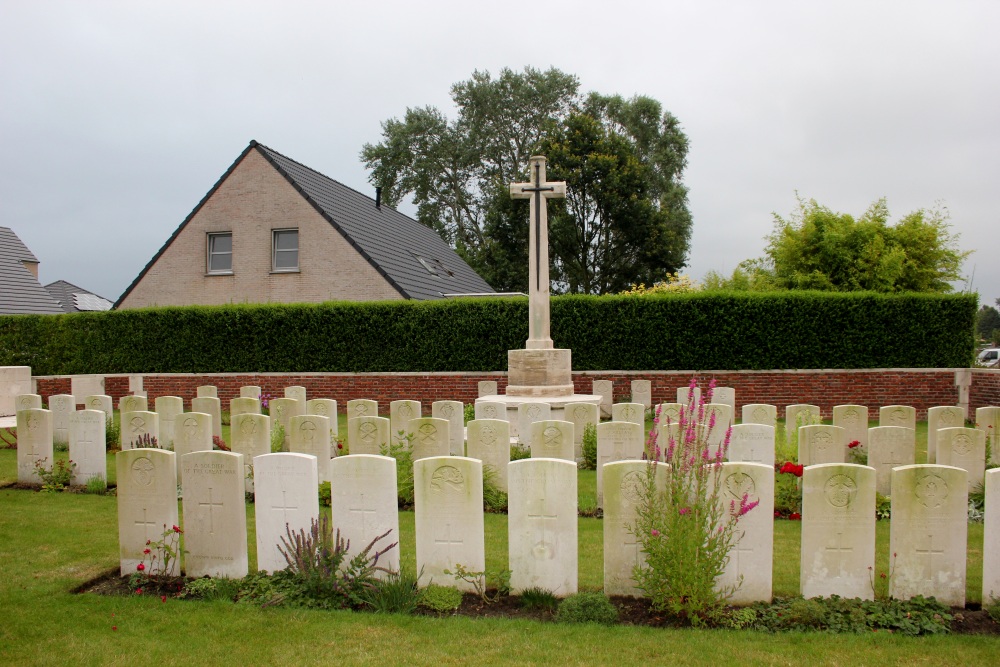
x=853, y=443
x=340, y=445
x=177, y=529
x=138, y=591
x=140, y=567
x=163, y=598
x=146, y=551
x=794, y=516
x=114, y=627
x=792, y=469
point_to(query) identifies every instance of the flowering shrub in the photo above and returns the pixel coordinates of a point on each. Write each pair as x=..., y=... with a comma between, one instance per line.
x=219, y=443
x=686, y=529
x=146, y=441
x=856, y=453
x=787, y=493
x=674, y=284
x=159, y=558
x=55, y=477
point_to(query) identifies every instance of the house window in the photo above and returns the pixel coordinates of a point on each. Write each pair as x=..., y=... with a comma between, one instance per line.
x=285, y=256
x=220, y=253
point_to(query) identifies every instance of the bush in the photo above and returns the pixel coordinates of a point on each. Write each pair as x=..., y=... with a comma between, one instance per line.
x=441, y=598
x=794, y=329
x=494, y=498
x=587, y=608
x=396, y=593
x=589, y=447
x=539, y=598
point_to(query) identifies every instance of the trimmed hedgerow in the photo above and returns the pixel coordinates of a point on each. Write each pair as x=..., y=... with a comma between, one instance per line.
x=718, y=330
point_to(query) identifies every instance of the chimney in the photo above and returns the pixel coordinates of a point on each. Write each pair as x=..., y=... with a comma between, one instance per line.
x=378, y=198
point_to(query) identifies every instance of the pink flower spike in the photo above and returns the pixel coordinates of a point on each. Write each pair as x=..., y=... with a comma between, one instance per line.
x=654, y=533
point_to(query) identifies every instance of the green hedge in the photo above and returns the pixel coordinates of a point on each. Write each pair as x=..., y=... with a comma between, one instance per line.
x=699, y=331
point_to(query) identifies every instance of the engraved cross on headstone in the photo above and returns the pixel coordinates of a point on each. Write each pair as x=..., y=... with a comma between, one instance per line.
x=211, y=506
x=839, y=550
x=145, y=523
x=284, y=505
x=542, y=517
x=448, y=542
x=364, y=512
x=538, y=191
x=929, y=552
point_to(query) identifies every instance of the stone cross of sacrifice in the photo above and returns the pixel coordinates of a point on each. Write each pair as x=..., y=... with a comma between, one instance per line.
x=538, y=192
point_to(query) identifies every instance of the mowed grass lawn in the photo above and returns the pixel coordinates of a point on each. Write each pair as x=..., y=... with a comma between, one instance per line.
x=51, y=543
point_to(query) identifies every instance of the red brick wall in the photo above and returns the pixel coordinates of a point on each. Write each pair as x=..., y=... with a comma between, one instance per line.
x=921, y=388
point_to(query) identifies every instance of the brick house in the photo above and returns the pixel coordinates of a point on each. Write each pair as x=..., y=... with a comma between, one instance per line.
x=274, y=230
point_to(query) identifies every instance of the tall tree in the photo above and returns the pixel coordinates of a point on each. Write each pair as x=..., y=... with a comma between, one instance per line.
x=458, y=172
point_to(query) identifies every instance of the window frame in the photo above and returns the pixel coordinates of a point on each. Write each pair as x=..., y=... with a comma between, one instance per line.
x=274, y=251
x=210, y=253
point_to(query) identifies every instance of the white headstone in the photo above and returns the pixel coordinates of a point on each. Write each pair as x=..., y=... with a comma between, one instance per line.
x=250, y=391
x=552, y=439
x=135, y=385
x=430, y=437
x=243, y=406
x=14, y=380
x=752, y=443
x=963, y=448
x=668, y=411
x=581, y=414
x=448, y=509
x=528, y=414
x=800, y=414
x=136, y=426
x=27, y=402
x=854, y=420
x=362, y=407
x=325, y=407
x=616, y=441
x=310, y=434
x=666, y=432
x=285, y=499
x=364, y=504
x=991, y=538
x=489, y=441
x=296, y=393
x=250, y=435
x=82, y=386
x=147, y=504
x=167, y=409
x=760, y=413
x=988, y=420
x=454, y=413
x=751, y=558
x=606, y=390
x=888, y=448
x=723, y=415
x=61, y=406
x=623, y=484
x=208, y=390
x=34, y=443
x=822, y=444
x=897, y=415
x=491, y=410
x=838, y=531
x=133, y=404
x=684, y=395
x=628, y=412
x=941, y=416
x=103, y=403
x=725, y=395
x=368, y=435
x=211, y=406
x=400, y=414
x=282, y=410
x=87, y=448
x=487, y=388
x=215, y=515
x=642, y=392
x=542, y=526
x=192, y=433
x=928, y=533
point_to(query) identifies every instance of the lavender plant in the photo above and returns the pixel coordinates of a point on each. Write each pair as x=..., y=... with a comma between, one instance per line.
x=685, y=527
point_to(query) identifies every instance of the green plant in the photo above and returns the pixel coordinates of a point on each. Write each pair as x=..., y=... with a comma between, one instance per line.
x=55, y=477
x=587, y=608
x=318, y=563
x=469, y=412
x=277, y=437
x=497, y=581
x=519, y=452
x=993, y=609
x=883, y=507
x=685, y=527
x=916, y=616
x=883, y=582
x=112, y=434
x=400, y=451
x=325, y=497
x=395, y=593
x=209, y=589
x=159, y=558
x=788, y=490
x=589, y=447
x=539, y=598
x=440, y=598
x=96, y=485
x=856, y=454
x=494, y=498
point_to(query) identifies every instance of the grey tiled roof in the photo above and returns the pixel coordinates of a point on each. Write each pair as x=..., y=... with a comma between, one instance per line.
x=75, y=299
x=20, y=291
x=392, y=242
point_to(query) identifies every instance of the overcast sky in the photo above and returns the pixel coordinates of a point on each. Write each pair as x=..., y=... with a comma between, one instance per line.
x=118, y=117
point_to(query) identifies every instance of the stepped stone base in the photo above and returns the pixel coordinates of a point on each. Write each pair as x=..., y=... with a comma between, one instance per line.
x=540, y=373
